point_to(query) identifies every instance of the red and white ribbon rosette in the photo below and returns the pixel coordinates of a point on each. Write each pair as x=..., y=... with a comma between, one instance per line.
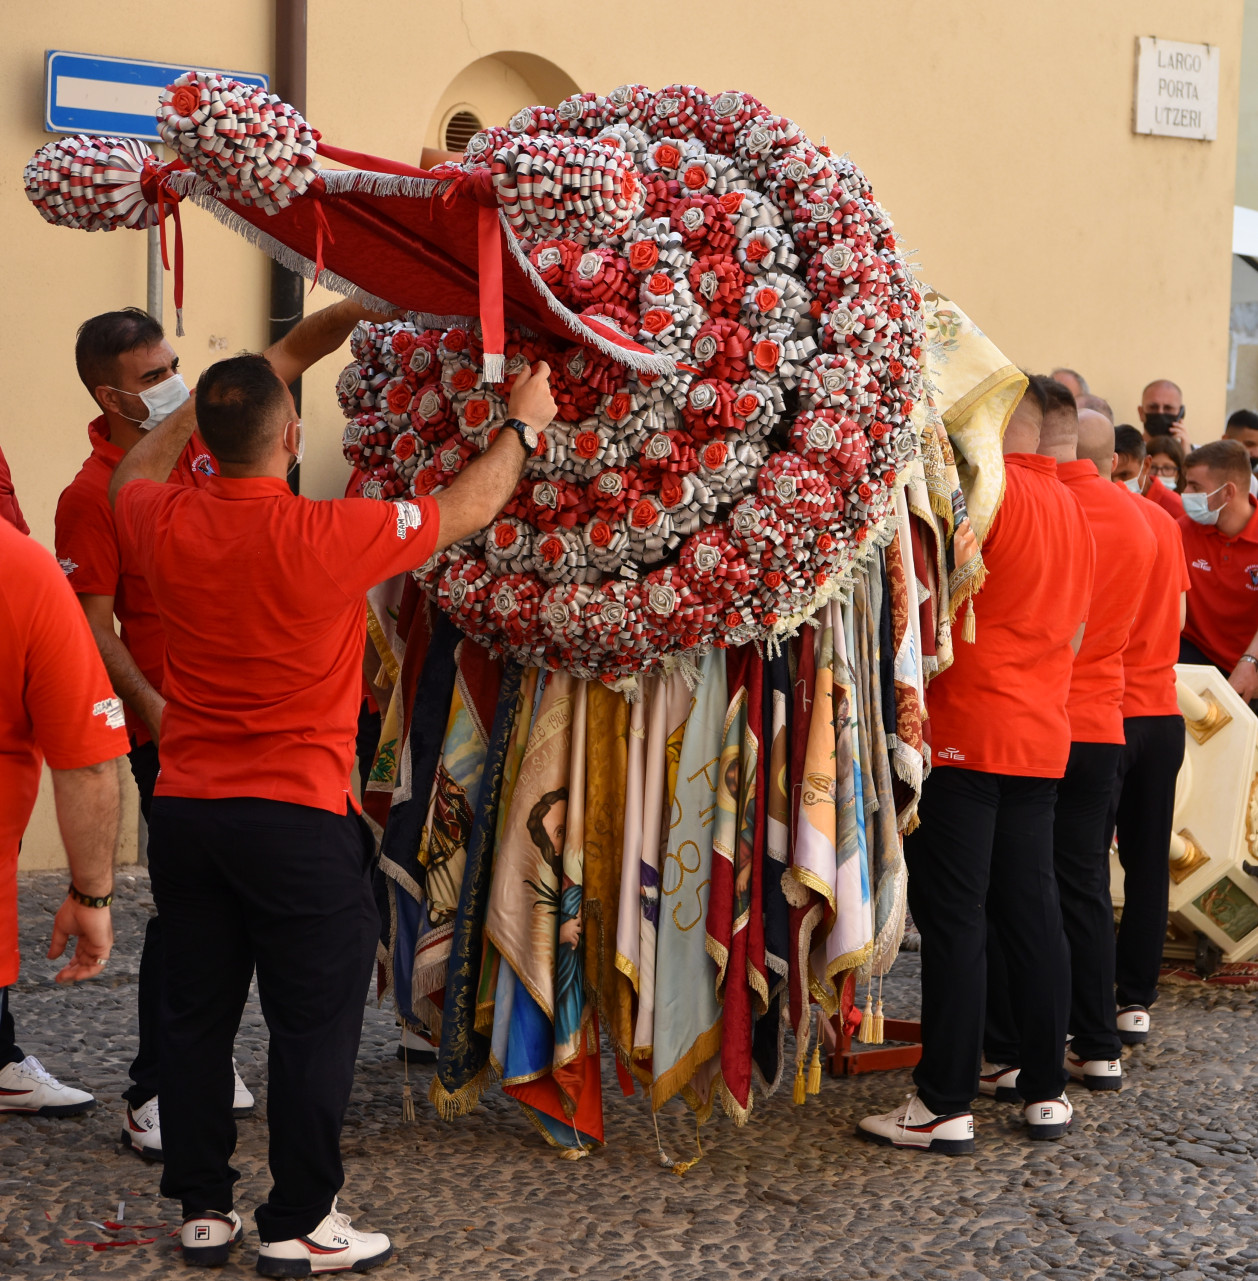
x=676, y=111
x=725, y=116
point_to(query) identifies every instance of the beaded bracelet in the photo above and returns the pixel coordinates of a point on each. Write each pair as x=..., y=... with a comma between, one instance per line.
x=88, y=900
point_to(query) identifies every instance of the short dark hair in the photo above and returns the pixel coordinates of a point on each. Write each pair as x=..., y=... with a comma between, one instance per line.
x=1227, y=456
x=1097, y=404
x=237, y=400
x=101, y=340
x=1035, y=389
x=1242, y=420
x=1170, y=448
x=1057, y=397
x=1129, y=442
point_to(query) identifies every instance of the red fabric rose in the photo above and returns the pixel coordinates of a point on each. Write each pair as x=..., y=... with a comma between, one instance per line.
x=731, y=202
x=716, y=451
x=601, y=533
x=185, y=100
x=773, y=579
x=757, y=250
x=660, y=283
x=643, y=255
x=463, y=379
x=695, y=178
x=404, y=447
x=399, y=399
x=656, y=320
x=454, y=340
x=766, y=355
x=766, y=298
x=426, y=480
x=552, y=550
x=895, y=311
x=504, y=534
x=671, y=490
x=666, y=156
x=644, y=514
x=475, y=412
x=587, y=444
x=747, y=404
x=618, y=406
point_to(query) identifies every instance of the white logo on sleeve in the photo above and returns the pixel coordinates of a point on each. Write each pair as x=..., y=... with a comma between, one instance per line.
x=1202, y=563
x=951, y=754
x=408, y=517
x=111, y=710
x=67, y=565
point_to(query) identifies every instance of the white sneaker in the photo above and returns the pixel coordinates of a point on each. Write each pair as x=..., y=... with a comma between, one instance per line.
x=915, y=1126
x=333, y=1246
x=242, y=1100
x=143, y=1130
x=1133, y=1025
x=999, y=1081
x=1049, y=1118
x=1096, y=1074
x=29, y=1087
x=414, y=1048
x=208, y=1238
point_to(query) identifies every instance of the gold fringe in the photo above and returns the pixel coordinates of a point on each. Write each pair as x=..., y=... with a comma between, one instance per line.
x=814, y=1068
x=672, y=1081
x=451, y=1106
x=878, y=1036
x=800, y=1095
x=866, y=1034
x=733, y=1109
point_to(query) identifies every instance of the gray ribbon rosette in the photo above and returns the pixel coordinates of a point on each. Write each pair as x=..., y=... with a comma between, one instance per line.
x=607, y=545
x=776, y=300
x=766, y=249
x=559, y=557
x=763, y=141
x=751, y=210
x=777, y=355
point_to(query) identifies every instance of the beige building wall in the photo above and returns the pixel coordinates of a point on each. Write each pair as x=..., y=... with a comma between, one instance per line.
x=997, y=133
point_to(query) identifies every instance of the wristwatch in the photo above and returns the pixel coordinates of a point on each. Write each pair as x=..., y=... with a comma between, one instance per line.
x=527, y=434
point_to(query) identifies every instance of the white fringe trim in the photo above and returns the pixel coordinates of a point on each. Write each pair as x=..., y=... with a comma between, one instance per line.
x=644, y=362
x=383, y=184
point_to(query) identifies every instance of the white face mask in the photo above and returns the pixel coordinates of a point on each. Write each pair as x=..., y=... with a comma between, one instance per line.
x=1170, y=482
x=1133, y=484
x=1197, y=507
x=161, y=401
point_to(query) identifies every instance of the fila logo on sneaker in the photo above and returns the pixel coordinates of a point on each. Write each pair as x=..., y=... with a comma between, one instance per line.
x=969, y=1125
x=1046, y=1113
x=341, y=1241
x=201, y=1232
x=1202, y=563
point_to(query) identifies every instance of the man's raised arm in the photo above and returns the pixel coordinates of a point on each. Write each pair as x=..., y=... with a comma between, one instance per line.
x=154, y=457
x=318, y=335
x=483, y=488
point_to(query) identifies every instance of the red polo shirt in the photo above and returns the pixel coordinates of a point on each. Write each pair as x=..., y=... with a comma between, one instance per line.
x=9, y=509
x=1001, y=707
x=1223, y=603
x=87, y=547
x=1167, y=499
x=260, y=594
x=1125, y=554
x=55, y=703
x=1153, y=650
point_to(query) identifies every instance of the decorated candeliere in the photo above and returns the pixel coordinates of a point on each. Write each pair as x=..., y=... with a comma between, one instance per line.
x=645, y=766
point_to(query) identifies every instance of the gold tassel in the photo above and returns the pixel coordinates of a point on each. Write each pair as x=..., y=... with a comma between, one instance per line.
x=877, y=1037
x=680, y=1168
x=866, y=1033
x=408, y=1099
x=800, y=1095
x=969, y=627
x=814, y=1069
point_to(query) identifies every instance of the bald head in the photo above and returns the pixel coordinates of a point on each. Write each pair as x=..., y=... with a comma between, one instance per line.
x=1096, y=440
x=1161, y=407
x=1073, y=381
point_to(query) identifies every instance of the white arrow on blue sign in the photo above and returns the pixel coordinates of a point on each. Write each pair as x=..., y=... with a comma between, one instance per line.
x=86, y=93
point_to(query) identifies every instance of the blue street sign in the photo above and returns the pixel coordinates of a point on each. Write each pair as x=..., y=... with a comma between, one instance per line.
x=84, y=93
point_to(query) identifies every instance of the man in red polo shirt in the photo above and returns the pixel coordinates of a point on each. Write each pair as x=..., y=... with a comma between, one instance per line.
x=9, y=509
x=1131, y=469
x=1080, y=442
x=262, y=855
x=1220, y=531
x=1000, y=741
x=55, y=705
x=1144, y=795
x=132, y=373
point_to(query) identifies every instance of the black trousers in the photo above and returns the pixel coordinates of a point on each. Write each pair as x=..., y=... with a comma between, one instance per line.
x=9, y=1052
x=1081, y=826
x=1142, y=810
x=245, y=881
x=982, y=860
x=143, y=1071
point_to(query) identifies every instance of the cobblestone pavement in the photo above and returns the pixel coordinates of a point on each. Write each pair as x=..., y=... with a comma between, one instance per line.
x=1157, y=1181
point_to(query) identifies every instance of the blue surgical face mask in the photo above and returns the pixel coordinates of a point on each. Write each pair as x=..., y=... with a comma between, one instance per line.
x=161, y=401
x=1197, y=507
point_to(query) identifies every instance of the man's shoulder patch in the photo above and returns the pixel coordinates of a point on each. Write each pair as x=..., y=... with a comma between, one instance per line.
x=111, y=710
x=409, y=517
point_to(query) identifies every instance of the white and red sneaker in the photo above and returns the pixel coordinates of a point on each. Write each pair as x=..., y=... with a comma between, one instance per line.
x=334, y=1246
x=29, y=1087
x=142, y=1131
x=915, y=1126
x=999, y=1081
x=209, y=1237
x=1048, y=1118
x=1096, y=1074
x=1133, y=1025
